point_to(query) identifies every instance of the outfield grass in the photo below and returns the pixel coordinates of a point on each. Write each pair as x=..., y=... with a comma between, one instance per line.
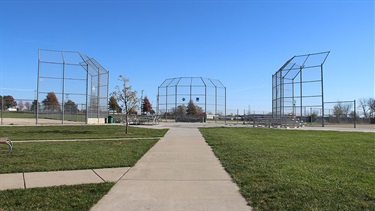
x=298, y=170
x=17, y=114
x=75, y=197
x=77, y=132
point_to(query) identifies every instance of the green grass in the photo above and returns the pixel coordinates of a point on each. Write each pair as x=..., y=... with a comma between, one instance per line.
x=72, y=155
x=298, y=170
x=18, y=114
x=77, y=132
x=75, y=197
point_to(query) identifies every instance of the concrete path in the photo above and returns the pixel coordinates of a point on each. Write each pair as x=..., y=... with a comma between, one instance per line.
x=56, y=178
x=179, y=173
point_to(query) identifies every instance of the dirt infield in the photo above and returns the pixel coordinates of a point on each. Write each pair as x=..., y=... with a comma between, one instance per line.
x=31, y=121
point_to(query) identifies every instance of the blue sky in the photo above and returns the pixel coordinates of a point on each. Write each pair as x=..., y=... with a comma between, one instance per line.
x=241, y=43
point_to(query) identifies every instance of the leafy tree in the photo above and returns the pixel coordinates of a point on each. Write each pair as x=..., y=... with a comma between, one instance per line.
x=314, y=117
x=113, y=105
x=180, y=111
x=8, y=101
x=34, y=106
x=51, y=102
x=70, y=107
x=20, y=105
x=126, y=98
x=146, y=106
x=193, y=110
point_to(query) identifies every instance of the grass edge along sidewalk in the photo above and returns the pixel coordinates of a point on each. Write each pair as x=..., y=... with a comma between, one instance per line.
x=298, y=170
x=66, y=155
x=72, y=197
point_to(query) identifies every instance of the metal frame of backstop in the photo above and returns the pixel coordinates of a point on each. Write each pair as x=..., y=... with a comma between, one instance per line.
x=74, y=77
x=298, y=84
x=209, y=94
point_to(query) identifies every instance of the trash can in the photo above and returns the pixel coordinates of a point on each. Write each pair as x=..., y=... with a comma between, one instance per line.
x=110, y=119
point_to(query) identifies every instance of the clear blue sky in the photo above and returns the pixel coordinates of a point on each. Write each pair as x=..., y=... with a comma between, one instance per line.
x=241, y=43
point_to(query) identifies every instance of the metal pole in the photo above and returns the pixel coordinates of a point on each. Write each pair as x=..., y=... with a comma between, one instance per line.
x=301, y=93
x=36, y=107
x=98, y=98
x=355, y=115
x=2, y=108
x=63, y=89
x=225, y=104
x=175, y=102
x=166, y=103
x=205, y=99
x=293, y=100
x=87, y=93
x=215, y=102
x=107, y=100
x=157, y=102
x=321, y=76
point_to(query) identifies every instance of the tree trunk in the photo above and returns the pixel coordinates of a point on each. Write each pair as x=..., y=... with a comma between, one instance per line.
x=126, y=123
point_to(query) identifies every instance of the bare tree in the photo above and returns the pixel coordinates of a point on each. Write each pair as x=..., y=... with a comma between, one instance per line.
x=20, y=105
x=126, y=98
x=28, y=106
x=365, y=107
x=371, y=104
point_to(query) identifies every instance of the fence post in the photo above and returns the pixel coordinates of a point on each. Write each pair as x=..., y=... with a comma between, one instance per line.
x=355, y=115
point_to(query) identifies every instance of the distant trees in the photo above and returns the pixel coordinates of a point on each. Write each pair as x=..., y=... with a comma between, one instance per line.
x=190, y=110
x=342, y=110
x=8, y=101
x=51, y=102
x=371, y=103
x=20, y=105
x=113, y=105
x=146, y=106
x=35, y=105
x=367, y=107
x=28, y=106
x=70, y=107
x=193, y=110
x=180, y=111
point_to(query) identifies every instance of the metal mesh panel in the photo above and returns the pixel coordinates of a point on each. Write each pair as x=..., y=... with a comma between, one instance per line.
x=78, y=81
x=208, y=94
x=298, y=84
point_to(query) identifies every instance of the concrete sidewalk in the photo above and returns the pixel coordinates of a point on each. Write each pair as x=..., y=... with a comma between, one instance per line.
x=179, y=173
x=57, y=178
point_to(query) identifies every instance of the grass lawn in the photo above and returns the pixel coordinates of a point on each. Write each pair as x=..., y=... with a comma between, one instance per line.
x=72, y=155
x=76, y=132
x=75, y=197
x=298, y=170
x=18, y=114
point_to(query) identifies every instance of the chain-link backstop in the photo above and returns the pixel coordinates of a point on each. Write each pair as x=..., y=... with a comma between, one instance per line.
x=174, y=95
x=298, y=84
x=79, y=84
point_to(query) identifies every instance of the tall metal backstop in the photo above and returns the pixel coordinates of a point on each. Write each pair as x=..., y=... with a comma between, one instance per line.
x=298, y=85
x=208, y=94
x=79, y=83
